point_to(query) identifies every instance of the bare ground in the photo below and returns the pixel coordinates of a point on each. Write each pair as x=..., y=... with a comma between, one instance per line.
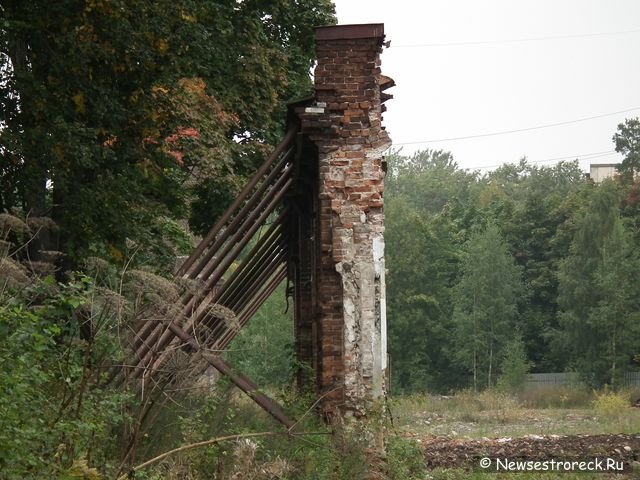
x=447, y=452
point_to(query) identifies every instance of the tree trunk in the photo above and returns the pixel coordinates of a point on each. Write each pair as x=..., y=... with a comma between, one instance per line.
x=475, y=348
x=475, y=369
x=34, y=171
x=613, y=357
x=490, y=363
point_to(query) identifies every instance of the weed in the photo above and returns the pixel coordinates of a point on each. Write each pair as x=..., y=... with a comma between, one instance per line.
x=405, y=459
x=610, y=405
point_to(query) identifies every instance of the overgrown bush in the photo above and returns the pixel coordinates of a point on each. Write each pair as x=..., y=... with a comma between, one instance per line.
x=405, y=459
x=610, y=405
x=53, y=414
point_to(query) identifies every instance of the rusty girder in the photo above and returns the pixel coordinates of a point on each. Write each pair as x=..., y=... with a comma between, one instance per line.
x=201, y=327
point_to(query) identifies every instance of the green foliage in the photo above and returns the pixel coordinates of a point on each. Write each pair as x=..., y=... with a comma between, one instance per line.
x=25, y=346
x=421, y=264
x=514, y=366
x=422, y=259
x=405, y=459
x=263, y=350
x=610, y=405
x=52, y=415
x=574, y=242
x=486, y=301
x=203, y=415
x=80, y=470
x=118, y=113
x=627, y=140
x=432, y=209
x=599, y=327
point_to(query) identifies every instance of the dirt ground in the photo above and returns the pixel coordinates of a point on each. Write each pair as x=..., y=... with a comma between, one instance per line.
x=446, y=452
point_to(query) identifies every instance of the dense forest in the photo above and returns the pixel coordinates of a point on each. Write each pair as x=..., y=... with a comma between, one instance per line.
x=525, y=268
x=126, y=128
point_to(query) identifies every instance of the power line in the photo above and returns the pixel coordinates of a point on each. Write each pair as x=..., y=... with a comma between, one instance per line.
x=506, y=132
x=581, y=157
x=514, y=40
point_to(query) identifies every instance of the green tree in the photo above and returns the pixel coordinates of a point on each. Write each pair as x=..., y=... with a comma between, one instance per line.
x=422, y=264
x=486, y=301
x=52, y=410
x=428, y=180
x=597, y=297
x=543, y=200
x=424, y=193
x=514, y=366
x=616, y=316
x=627, y=140
x=117, y=113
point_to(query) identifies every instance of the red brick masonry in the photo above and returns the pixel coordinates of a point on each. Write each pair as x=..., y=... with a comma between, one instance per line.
x=345, y=125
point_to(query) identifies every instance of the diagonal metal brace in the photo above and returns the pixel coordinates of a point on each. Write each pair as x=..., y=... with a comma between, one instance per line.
x=241, y=381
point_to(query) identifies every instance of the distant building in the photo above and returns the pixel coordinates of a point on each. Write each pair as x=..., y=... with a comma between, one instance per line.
x=600, y=171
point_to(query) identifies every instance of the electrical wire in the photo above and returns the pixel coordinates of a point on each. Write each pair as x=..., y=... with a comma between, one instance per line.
x=506, y=132
x=582, y=157
x=515, y=40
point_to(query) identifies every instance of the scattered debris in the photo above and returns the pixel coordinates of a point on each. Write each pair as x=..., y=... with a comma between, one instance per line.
x=444, y=452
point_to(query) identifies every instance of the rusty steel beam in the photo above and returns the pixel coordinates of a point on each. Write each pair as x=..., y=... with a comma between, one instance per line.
x=255, y=302
x=253, y=282
x=288, y=138
x=224, y=265
x=238, y=276
x=228, y=336
x=217, y=327
x=272, y=251
x=209, y=261
x=277, y=191
x=191, y=308
x=276, y=174
x=246, y=288
x=265, y=269
x=251, y=308
x=243, y=319
x=238, y=379
x=249, y=275
x=234, y=281
x=214, y=272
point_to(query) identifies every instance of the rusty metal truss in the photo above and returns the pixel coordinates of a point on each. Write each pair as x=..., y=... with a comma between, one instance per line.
x=231, y=273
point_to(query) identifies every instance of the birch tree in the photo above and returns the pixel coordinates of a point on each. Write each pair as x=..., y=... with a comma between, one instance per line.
x=486, y=301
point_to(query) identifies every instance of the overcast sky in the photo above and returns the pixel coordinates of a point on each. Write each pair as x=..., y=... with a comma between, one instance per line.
x=471, y=67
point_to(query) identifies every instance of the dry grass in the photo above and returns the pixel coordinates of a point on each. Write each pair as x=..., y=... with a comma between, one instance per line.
x=11, y=224
x=495, y=414
x=556, y=397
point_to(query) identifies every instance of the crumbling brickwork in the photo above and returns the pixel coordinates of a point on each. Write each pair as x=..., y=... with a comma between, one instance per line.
x=345, y=125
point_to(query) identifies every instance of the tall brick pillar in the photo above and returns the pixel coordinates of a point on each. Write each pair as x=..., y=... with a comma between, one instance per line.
x=344, y=123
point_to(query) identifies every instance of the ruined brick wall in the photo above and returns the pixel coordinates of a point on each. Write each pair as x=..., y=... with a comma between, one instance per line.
x=345, y=125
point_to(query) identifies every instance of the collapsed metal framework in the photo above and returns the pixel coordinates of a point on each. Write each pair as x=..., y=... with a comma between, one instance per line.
x=312, y=213
x=231, y=279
